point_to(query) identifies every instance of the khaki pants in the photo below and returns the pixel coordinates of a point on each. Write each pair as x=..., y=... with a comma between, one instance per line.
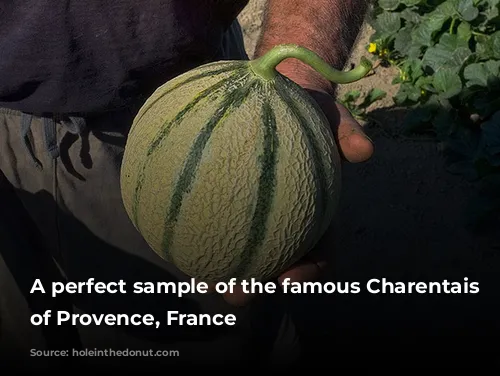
x=62, y=218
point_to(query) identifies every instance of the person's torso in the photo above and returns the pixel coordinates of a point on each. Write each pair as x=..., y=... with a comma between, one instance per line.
x=87, y=56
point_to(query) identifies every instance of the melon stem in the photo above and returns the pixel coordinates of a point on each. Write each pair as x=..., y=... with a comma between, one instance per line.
x=265, y=66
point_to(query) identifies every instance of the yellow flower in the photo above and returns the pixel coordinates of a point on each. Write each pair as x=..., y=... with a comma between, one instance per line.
x=422, y=91
x=372, y=47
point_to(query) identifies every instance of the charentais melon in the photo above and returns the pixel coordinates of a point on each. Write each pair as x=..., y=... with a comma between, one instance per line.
x=231, y=170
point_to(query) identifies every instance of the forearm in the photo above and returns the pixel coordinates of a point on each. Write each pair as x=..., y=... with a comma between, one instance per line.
x=328, y=27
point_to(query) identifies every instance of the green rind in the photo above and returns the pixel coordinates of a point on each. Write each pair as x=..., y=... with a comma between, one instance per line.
x=167, y=127
x=320, y=170
x=154, y=99
x=222, y=84
x=323, y=135
x=231, y=102
x=265, y=193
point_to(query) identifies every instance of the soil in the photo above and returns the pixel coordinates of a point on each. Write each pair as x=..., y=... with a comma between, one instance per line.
x=403, y=217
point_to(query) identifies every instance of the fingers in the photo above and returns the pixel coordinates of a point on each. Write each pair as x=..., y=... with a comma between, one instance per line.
x=303, y=271
x=238, y=298
x=307, y=270
x=354, y=143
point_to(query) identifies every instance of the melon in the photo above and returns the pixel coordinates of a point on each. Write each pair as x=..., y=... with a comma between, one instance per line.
x=231, y=170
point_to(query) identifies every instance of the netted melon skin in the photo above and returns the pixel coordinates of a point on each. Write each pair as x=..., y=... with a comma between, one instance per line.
x=227, y=175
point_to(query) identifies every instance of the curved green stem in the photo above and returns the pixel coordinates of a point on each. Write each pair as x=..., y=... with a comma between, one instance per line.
x=479, y=34
x=452, y=25
x=265, y=66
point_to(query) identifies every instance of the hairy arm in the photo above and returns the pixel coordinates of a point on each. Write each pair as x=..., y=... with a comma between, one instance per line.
x=328, y=27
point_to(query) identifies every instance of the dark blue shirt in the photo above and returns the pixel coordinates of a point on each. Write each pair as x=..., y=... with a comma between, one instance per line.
x=63, y=56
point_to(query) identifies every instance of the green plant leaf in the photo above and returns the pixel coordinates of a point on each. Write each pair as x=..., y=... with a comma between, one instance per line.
x=403, y=41
x=464, y=33
x=491, y=10
x=419, y=118
x=423, y=35
x=389, y=4
x=387, y=24
x=484, y=47
x=412, y=70
x=410, y=3
x=372, y=96
x=415, y=52
x=426, y=30
x=406, y=94
x=438, y=57
x=425, y=83
x=451, y=42
x=482, y=74
x=488, y=46
x=467, y=10
x=359, y=111
x=447, y=82
x=351, y=96
x=410, y=16
x=451, y=51
x=495, y=41
x=433, y=22
x=447, y=8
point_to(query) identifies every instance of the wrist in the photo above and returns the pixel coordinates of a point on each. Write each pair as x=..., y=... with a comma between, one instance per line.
x=305, y=76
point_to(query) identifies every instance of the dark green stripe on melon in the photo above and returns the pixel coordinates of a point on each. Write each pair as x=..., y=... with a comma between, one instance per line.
x=266, y=190
x=220, y=86
x=231, y=102
x=188, y=80
x=212, y=90
x=320, y=171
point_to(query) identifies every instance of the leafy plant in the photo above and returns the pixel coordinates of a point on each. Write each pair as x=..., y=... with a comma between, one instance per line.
x=358, y=108
x=448, y=56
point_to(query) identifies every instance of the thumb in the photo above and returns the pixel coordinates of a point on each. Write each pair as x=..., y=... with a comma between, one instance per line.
x=355, y=146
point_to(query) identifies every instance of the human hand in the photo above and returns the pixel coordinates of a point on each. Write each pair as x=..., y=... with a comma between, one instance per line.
x=354, y=147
